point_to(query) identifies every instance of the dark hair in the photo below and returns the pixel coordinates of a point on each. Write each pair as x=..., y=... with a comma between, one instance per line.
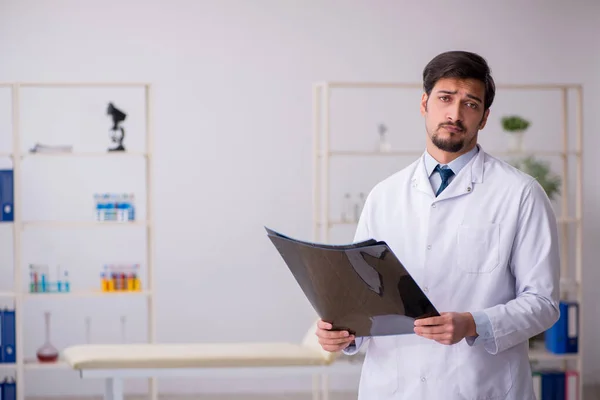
x=462, y=65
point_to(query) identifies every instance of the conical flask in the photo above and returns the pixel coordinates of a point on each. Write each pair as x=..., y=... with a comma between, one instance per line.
x=47, y=353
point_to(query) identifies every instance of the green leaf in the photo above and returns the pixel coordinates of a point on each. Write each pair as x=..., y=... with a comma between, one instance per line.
x=540, y=170
x=513, y=123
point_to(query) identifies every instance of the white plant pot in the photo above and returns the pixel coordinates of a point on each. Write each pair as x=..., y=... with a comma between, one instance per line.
x=515, y=141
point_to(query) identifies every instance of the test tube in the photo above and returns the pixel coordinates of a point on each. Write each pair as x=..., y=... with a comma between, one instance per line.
x=33, y=276
x=44, y=279
x=66, y=281
x=59, y=286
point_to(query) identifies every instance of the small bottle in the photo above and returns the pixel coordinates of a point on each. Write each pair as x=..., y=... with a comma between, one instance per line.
x=103, y=282
x=97, y=205
x=111, y=282
x=123, y=279
x=114, y=280
x=123, y=208
x=33, y=279
x=67, y=286
x=131, y=207
x=59, y=285
x=137, y=283
x=47, y=352
x=131, y=280
x=111, y=208
x=44, y=282
x=103, y=207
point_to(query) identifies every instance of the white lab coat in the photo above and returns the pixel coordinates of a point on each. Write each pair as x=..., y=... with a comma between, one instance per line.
x=487, y=242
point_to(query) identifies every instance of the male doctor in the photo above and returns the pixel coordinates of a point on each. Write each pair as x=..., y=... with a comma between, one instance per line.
x=479, y=237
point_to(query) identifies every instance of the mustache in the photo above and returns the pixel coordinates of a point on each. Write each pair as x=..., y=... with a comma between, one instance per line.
x=458, y=125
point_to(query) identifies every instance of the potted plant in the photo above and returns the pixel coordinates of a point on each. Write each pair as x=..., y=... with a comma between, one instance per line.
x=540, y=170
x=515, y=126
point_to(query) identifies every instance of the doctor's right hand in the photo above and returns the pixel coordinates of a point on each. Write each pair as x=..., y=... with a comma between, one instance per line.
x=332, y=341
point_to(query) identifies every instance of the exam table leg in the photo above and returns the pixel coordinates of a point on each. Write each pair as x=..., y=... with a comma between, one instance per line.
x=325, y=386
x=316, y=389
x=113, y=389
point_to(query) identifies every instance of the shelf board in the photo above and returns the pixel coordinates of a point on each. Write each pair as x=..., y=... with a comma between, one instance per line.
x=539, y=353
x=7, y=365
x=6, y=155
x=35, y=364
x=86, y=154
x=568, y=220
x=375, y=153
x=340, y=222
x=82, y=224
x=85, y=293
x=7, y=294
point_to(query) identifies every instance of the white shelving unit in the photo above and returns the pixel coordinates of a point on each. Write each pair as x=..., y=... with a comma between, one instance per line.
x=323, y=154
x=19, y=225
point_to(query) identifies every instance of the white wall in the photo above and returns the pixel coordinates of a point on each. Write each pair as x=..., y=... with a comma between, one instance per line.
x=233, y=140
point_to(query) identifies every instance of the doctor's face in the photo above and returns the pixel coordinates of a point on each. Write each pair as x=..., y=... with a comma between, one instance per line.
x=454, y=113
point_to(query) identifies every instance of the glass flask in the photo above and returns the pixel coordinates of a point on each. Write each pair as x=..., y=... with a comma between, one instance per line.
x=47, y=353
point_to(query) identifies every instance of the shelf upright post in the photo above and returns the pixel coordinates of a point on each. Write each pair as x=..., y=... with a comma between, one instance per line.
x=152, y=383
x=326, y=160
x=17, y=230
x=565, y=201
x=579, y=226
x=317, y=158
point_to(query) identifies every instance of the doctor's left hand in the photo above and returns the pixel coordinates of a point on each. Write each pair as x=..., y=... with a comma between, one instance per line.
x=448, y=328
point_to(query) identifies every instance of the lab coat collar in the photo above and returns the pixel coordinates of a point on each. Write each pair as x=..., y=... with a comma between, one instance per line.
x=461, y=184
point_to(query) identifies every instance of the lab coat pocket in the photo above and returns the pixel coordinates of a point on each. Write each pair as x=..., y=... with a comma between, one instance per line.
x=478, y=247
x=486, y=377
x=380, y=368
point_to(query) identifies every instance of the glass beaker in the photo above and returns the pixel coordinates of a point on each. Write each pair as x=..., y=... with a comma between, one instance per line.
x=47, y=353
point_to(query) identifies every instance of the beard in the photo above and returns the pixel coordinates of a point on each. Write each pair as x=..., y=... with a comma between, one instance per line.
x=452, y=144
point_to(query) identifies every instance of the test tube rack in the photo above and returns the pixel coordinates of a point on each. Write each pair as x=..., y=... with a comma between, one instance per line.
x=120, y=278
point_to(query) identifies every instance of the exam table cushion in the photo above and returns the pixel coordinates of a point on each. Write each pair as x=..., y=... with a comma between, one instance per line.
x=204, y=355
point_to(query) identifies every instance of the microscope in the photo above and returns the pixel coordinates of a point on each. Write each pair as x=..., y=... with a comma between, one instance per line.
x=117, y=132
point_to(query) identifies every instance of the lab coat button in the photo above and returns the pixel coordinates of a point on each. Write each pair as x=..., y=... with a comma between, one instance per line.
x=426, y=289
x=433, y=205
x=423, y=379
x=469, y=189
x=429, y=247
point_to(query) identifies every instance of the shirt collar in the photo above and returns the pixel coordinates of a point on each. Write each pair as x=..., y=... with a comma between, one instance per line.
x=455, y=165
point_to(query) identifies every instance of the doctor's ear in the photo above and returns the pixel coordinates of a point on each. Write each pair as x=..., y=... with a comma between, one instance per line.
x=424, y=99
x=484, y=119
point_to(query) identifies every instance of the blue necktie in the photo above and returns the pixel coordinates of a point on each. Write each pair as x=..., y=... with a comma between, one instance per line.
x=445, y=173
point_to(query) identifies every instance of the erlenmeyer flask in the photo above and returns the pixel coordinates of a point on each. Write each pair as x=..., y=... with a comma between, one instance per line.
x=47, y=353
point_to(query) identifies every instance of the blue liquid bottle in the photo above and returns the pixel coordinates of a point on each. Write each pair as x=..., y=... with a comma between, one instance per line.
x=66, y=284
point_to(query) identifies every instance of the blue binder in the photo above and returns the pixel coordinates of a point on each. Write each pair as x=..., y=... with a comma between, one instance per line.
x=9, y=390
x=572, y=327
x=8, y=333
x=553, y=385
x=563, y=336
x=6, y=196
